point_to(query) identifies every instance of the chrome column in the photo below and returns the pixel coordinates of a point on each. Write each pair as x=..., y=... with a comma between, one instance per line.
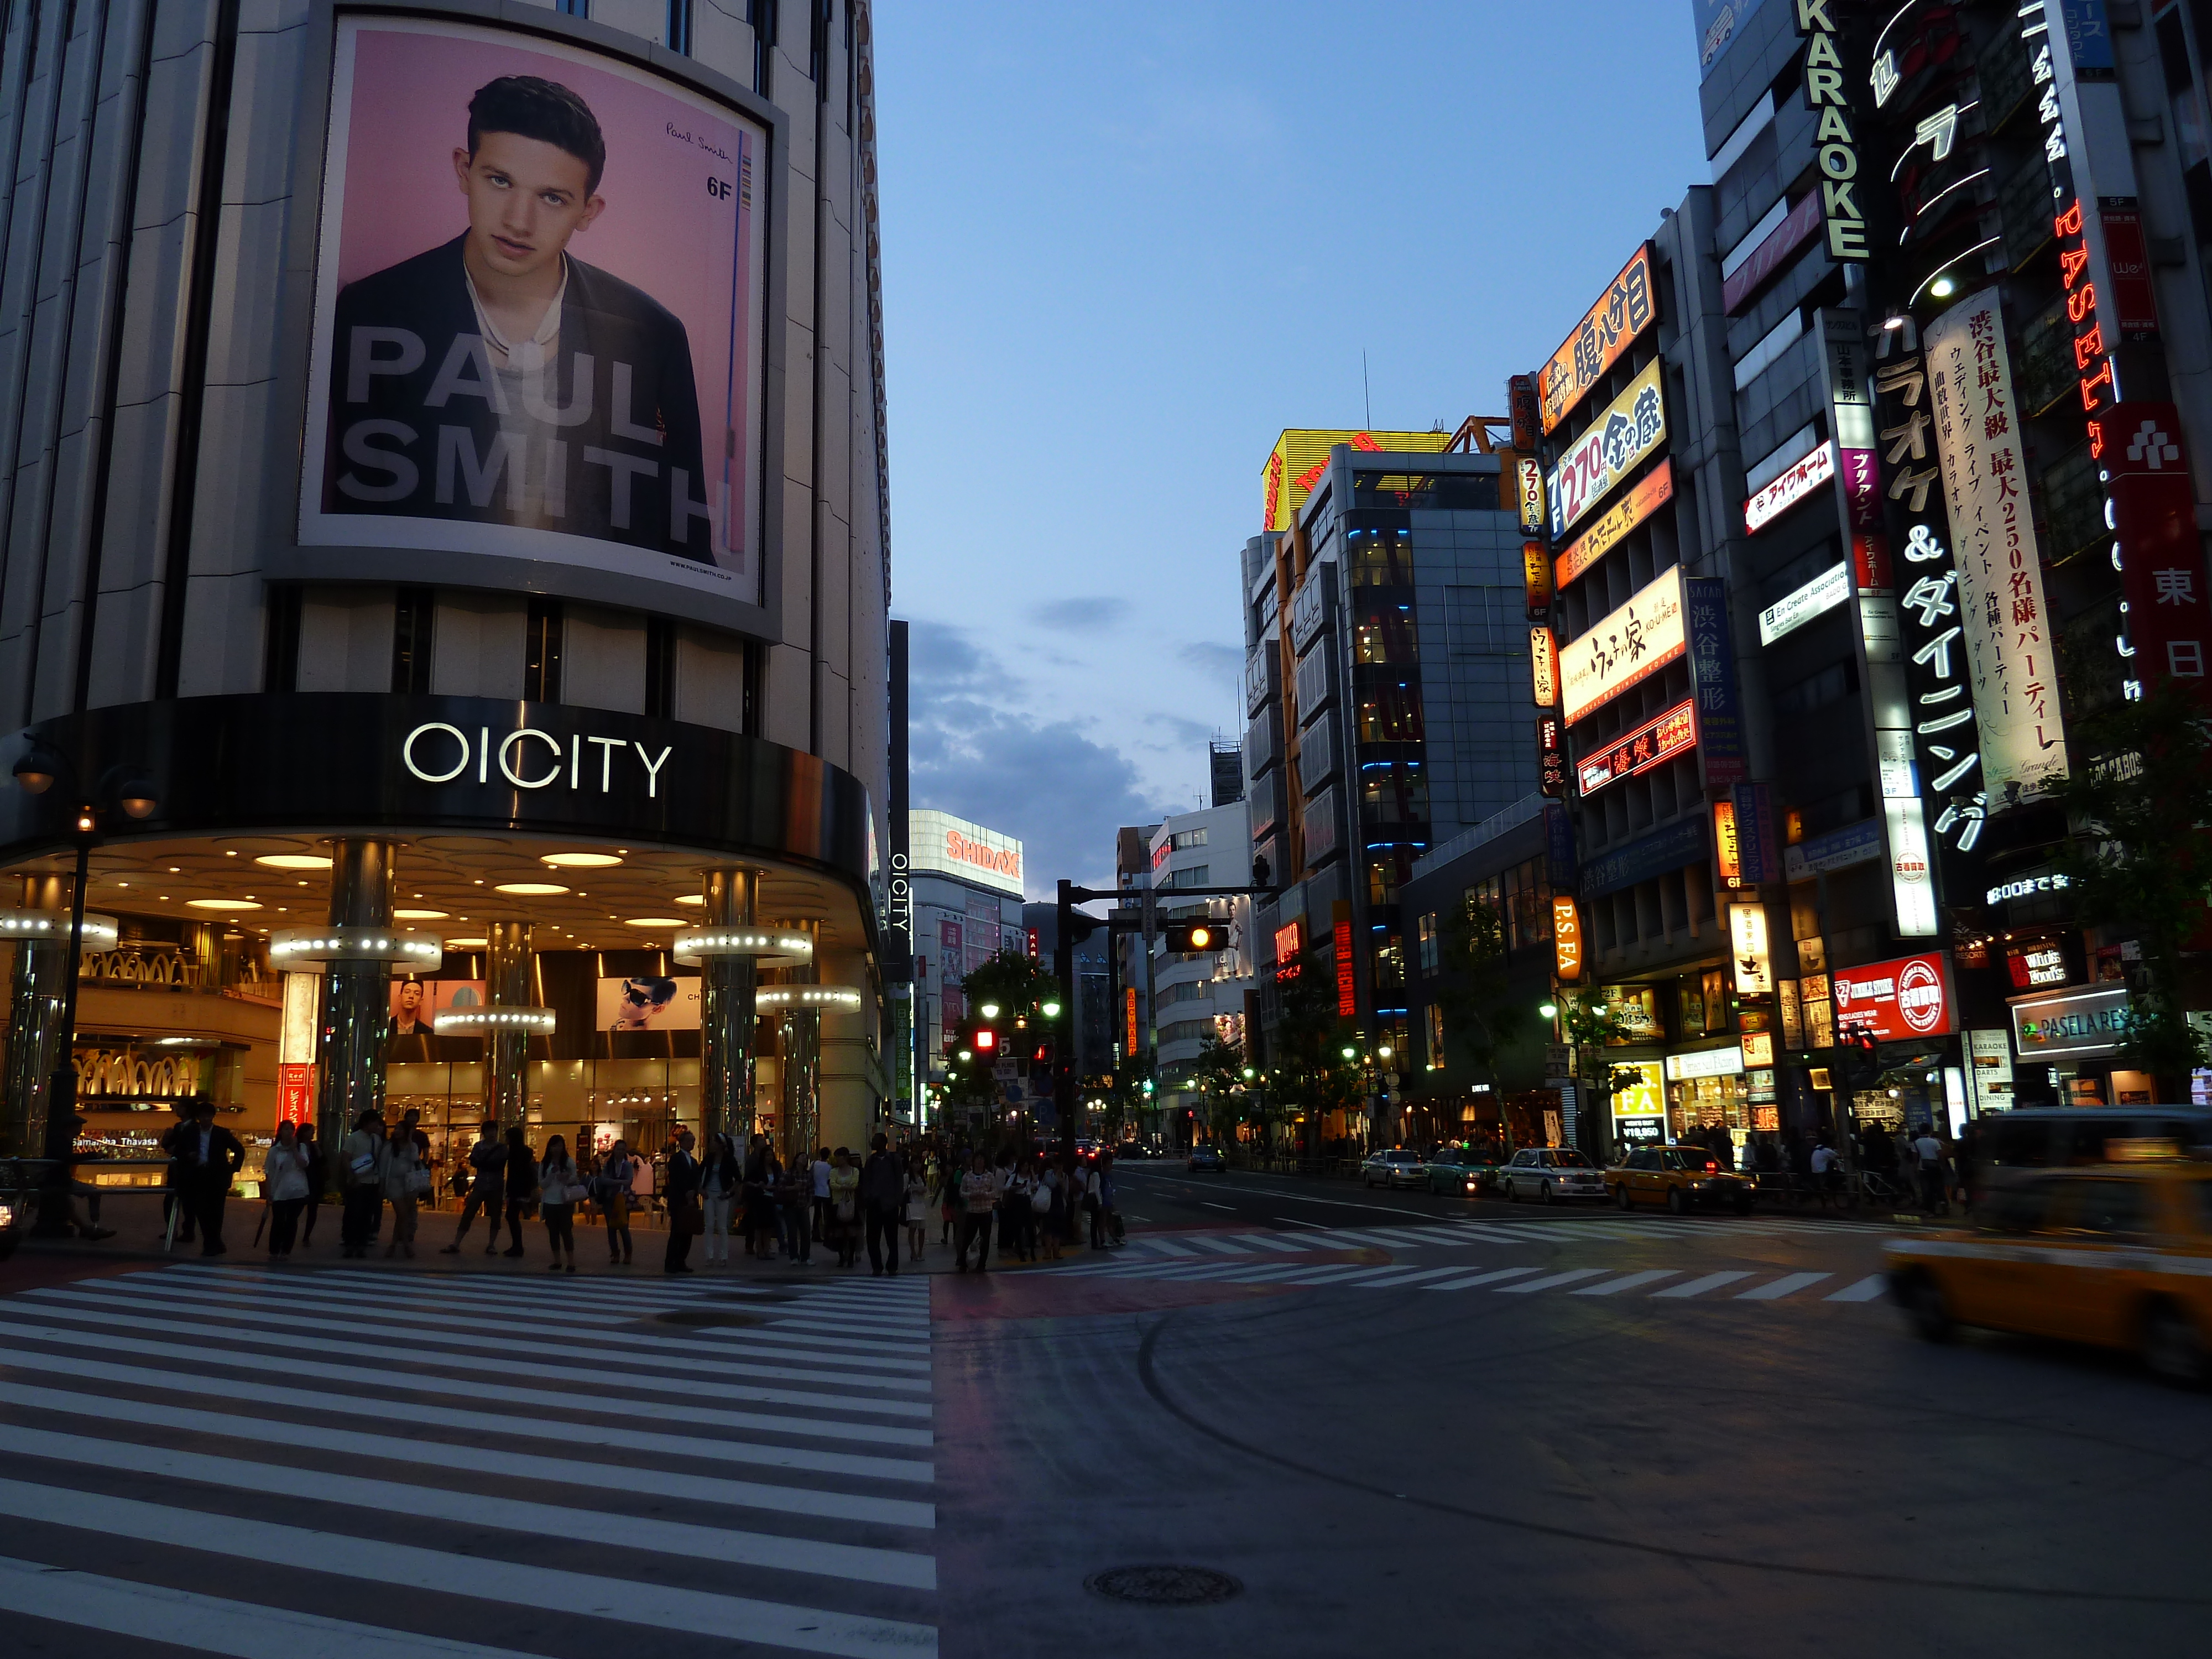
x=726, y=1009
x=798, y=1120
x=508, y=977
x=35, y=1022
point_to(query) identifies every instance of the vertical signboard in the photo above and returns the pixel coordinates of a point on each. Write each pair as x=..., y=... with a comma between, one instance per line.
x=1567, y=939
x=1836, y=147
x=1562, y=869
x=1758, y=860
x=1536, y=578
x=1754, y=967
x=1544, y=667
x=1712, y=673
x=1347, y=994
x=2003, y=621
x=2169, y=628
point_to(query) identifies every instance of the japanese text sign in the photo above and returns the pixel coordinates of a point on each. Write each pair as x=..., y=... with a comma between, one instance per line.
x=1897, y=1000
x=1611, y=326
x=1625, y=648
x=1632, y=427
x=2169, y=626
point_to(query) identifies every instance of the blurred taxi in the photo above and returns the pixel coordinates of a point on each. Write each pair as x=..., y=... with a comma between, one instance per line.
x=2117, y=1254
x=1460, y=1171
x=1682, y=1178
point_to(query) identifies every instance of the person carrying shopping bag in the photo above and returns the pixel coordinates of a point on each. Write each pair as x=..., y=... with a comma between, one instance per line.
x=560, y=1184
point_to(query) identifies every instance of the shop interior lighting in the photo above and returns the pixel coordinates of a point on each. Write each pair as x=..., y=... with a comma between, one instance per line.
x=530, y=889
x=536, y=1021
x=466, y=943
x=219, y=904
x=843, y=997
x=692, y=898
x=579, y=860
x=300, y=948
x=292, y=860
x=100, y=931
x=418, y=915
x=655, y=921
x=696, y=944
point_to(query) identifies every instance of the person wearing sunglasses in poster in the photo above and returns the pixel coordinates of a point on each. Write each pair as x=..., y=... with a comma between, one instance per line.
x=643, y=1002
x=498, y=379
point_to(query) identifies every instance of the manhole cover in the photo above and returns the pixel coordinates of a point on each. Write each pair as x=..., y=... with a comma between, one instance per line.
x=1164, y=1587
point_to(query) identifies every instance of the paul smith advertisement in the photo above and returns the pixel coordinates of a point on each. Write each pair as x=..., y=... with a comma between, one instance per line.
x=538, y=311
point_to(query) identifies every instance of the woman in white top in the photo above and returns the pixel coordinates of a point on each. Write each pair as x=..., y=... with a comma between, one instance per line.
x=560, y=1184
x=917, y=1210
x=284, y=1184
x=397, y=1166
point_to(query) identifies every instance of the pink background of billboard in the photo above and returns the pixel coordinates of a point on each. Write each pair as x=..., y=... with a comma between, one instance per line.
x=410, y=110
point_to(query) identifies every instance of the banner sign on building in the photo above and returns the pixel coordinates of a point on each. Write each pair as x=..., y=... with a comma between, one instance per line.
x=2085, y=1023
x=1522, y=412
x=939, y=844
x=1799, y=481
x=1836, y=147
x=1791, y=612
x=1552, y=754
x=1839, y=849
x=1560, y=866
x=1651, y=492
x=1754, y=967
x=2141, y=450
x=1537, y=577
x=1898, y=1001
x=1727, y=852
x=1712, y=677
x=1652, y=744
x=1625, y=648
x=1544, y=667
x=2004, y=623
x=1347, y=993
x=1778, y=244
x=1609, y=328
x=1567, y=939
x=1529, y=483
x=1670, y=848
x=1629, y=428
x=1755, y=832
x=1300, y=457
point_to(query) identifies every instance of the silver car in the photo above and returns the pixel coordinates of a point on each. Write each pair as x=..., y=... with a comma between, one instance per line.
x=1549, y=1174
x=1399, y=1166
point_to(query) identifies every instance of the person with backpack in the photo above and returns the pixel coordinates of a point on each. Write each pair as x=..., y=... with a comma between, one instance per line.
x=521, y=1188
x=487, y=1189
x=617, y=1170
x=560, y=1184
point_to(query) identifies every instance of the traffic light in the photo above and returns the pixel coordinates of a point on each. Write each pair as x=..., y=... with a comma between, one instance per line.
x=1042, y=1055
x=1148, y=1087
x=1185, y=937
x=1858, y=1057
x=986, y=1040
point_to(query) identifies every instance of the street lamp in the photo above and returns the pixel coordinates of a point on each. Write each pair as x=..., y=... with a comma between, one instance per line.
x=1550, y=1010
x=1050, y=1009
x=989, y=1010
x=129, y=790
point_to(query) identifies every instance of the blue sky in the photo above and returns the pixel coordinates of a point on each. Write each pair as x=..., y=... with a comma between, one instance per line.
x=1123, y=247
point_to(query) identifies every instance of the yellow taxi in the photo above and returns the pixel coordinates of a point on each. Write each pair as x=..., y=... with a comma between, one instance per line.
x=1683, y=1178
x=2117, y=1254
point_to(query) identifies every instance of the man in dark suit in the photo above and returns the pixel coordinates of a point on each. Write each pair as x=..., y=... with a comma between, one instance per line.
x=208, y=1159
x=680, y=1195
x=499, y=380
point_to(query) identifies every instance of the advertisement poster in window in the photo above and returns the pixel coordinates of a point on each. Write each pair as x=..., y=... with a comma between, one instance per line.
x=649, y=1003
x=537, y=319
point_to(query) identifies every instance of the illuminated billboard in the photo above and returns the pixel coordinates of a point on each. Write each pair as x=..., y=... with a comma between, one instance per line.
x=1625, y=648
x=1632, y=427
x=538, y=311
x=1300, y=457
x=941, y=844
x=1607, y=331
x=1652, y=491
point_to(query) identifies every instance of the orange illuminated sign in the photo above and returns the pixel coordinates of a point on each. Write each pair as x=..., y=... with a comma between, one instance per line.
x=1537, y=574
x=1567, y=937
x=1004, y=861
x=1653, y=491
x=1290, y=948
x=1300, y=457
x=1726, y=848
x=1609, y=328
x=1129, y=1014
x=1543, y=667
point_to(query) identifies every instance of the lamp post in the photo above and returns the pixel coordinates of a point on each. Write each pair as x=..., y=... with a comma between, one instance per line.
x=120, y=787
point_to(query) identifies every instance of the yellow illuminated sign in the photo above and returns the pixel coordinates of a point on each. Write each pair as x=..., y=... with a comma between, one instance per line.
x=1567, y=939
x=1647, y=1096
x=1543, y=667
x=1300, y=457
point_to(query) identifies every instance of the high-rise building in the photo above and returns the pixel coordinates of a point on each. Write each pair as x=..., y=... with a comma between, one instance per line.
x=1226, y=760
x=966, y=886
x=368, y=581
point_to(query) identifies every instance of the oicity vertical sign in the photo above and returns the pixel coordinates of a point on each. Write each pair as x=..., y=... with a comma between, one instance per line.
x=437, y=752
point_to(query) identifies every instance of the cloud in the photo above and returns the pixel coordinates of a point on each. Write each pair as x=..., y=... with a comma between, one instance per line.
x=1212, y=658
x=1069, y=616
x=977, y=751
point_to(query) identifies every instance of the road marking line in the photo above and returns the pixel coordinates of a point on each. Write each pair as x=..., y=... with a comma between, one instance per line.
x=473, y=1388
x=569, y=1469
x=1865, y=1290
x=1403, y=1276
x=480, y=1578
x=1551, y=1282
x=1211, y=1204
x=1269, y=1242
x=1783, y=1286
x=210, y=1624
x=1274, y=1270
x=1293, y=1221
x=1322, y=1275
x=1628, y=1282
x=1699, y=1286
x=1219, y=1246
x=1473, y=1280
x=1170, y=1247
x=55, y=1304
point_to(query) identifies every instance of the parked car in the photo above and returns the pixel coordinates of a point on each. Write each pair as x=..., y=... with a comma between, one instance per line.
x=1206, y=1158
x=1682, y=1178
x=2118, y=1256
x=1131, y=1149
x=1398, y=1166
x=1460, y=1171
x=1549, y=1174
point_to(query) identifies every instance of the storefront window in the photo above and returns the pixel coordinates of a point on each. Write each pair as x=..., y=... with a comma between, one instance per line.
x=1385, y=634
x=1381, y=558
x=1391, y=714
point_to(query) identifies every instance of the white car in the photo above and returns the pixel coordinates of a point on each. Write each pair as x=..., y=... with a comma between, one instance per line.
x=1398, y=1166
x=1549, y=1174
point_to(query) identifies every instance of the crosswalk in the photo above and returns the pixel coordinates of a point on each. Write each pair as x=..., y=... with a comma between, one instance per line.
x=1673, y=1284
x=367, y=1465
x=1481, y=1234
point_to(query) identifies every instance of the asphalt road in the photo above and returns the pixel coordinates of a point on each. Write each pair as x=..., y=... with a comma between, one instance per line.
x=1398, y=1424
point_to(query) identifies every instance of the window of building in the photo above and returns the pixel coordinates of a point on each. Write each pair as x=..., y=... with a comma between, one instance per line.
x=679, y=27
x=1388, y=868
x=1390, y=714
x=1394, y=792
x=762, y=15
x=414, y=614
x=1198, y=875
x=1390, y=962
x=1426, y=937
x=1184, y=838
x=575, y=7
x=280, y=647
x=1385, y=634
x=660, y=668
x=1436, y=1037
x=1381, y=558
x=541, y=661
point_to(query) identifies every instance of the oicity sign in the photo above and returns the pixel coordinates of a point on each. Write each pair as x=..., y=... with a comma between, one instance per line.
x=437, y=752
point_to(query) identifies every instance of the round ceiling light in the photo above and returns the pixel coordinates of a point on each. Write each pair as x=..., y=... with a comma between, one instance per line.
x=418, y=915
x=692, y=898
x=220, y=904
x=656, y=921
x=293, y=860
x=530, y=889
x=580, y=860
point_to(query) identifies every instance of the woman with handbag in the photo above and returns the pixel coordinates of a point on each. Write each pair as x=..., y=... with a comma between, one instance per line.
x=521, y=1188
x=559, y=1186
x=616, y=1172
x=406, y=1183
x=285, y=1180
x=845, y=1207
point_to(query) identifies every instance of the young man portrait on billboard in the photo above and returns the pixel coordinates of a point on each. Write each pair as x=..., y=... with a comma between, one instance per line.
x=498, y=379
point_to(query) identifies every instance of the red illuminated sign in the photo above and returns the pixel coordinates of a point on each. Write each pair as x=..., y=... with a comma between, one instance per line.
x=1551, y=756
x=1674, y=732
x=1290, y=948
x=2092, y=362
x=2127, y=267
x=1898, y=1001
x=2169, y=620
x=1347, y=995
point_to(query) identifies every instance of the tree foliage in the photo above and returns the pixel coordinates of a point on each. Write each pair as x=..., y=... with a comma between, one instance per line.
x=1480, y=1017
x=2137, y=858
x=1309, y=1072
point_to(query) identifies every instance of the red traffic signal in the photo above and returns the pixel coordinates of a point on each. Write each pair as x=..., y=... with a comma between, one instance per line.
x=986, y=1039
